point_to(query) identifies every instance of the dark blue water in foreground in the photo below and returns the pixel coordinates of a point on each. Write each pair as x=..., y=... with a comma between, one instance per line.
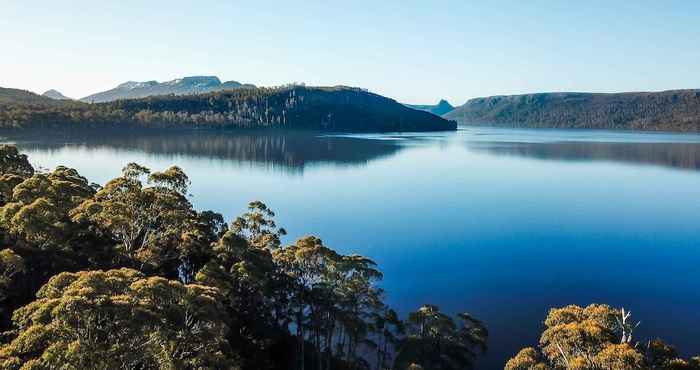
x=500, y=223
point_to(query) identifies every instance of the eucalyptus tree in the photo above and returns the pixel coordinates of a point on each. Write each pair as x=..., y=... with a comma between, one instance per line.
x=14, y=168
x=332, y=301
x=38, y=210
x=35, y=227
x=358, y=298
x=38, y=228
x=574, y=333
x=595, y=337
x=389, y=330
x=306, y=263
x=254, y=294
x=14, y=162
x=11, y=265
x=258, y=226
x=153, y=225
x=12, y=268
x=662, y=356
x=119, y=319
x=437, y=342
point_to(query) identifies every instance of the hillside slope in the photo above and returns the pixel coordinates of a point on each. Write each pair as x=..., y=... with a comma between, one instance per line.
x=293, y=107
x=17, y=96
x=441, y=108
x=674, y=110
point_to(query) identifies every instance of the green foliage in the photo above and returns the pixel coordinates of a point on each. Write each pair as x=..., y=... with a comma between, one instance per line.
x=591, y=338
x=14, y=168
x=119, y=319
x=390, y=329
x=258, y=226
x=527, y=359
x=154, y=226
x=38, y=209
x=12, y=162
x=575, y=332
x=253, y=293
x=12, y=266
x=437, y=342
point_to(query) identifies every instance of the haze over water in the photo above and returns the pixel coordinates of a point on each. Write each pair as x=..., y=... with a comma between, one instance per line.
x=501, y=223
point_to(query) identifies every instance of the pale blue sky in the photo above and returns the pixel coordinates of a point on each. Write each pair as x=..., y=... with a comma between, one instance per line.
x=413, y=51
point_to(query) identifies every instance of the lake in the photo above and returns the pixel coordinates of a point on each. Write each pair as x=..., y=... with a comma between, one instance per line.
x=501, y=223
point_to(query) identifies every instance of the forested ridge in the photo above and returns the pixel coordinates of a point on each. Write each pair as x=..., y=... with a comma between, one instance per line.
x=290, y=107
x=17, y=97
x=675, y=110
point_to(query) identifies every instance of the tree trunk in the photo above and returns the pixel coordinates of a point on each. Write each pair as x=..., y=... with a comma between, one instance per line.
x=386, y=345
x=379, y=350
x=300, y=335
x=329, y=346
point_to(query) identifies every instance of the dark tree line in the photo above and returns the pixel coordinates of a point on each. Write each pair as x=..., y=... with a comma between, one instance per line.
x=290, y=107
x=677, y=110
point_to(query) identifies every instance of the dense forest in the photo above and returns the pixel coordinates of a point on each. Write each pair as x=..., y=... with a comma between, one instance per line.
x=128, y=275
x=677, y=110
x=290, y=107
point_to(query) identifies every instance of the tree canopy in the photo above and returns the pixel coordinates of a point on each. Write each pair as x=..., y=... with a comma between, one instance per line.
x=596, y=337
x=437, y=341
x=119, y=319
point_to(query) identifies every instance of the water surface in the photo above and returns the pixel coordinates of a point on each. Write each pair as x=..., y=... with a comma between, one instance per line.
x=502, y=223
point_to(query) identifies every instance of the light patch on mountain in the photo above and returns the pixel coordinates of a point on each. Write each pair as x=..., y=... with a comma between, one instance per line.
x=181, y=86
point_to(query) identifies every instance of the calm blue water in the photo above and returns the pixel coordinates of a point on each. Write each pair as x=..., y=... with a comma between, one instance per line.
x=501, y=223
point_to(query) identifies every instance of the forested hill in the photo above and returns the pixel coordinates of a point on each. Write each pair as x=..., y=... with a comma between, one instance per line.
x=675, y=110
x=22, y=97
x=292, y=107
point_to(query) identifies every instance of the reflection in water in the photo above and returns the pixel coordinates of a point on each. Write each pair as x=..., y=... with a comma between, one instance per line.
x=291, y=151
x=676, y=155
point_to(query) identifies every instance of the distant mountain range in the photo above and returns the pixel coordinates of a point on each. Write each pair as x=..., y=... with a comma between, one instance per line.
x=674, y=110
x=439, y=109
x=54, y=94
x=181, y=86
